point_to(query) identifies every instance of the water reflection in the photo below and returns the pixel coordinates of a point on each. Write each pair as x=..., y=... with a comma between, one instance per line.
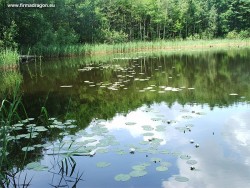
x=221, y=162
x=152, y=105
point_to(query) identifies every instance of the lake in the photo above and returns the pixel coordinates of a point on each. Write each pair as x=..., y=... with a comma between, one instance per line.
x=135, y=120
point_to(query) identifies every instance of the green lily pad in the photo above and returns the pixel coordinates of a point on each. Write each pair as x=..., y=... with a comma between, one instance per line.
x=181, y=179
x=122, y=177
x=18, y=125
x=32, y=165
x=71, y=126
x=165, y=152
x=103, y=164
x=160, y=128
x=40, y=129
x=90, y=141
x=148, y=134
x=102, y=150
x=130, y=123
x=121, y=152
x=137, y=173
x=139, y=167
x=29, y=148
x=17, y=128
x=147, y=128
x=41, y=168
x=161, y=168
x=21, y=136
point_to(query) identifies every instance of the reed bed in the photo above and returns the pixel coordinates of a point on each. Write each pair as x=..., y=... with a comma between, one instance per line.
x=9, y=59
x=142, y=46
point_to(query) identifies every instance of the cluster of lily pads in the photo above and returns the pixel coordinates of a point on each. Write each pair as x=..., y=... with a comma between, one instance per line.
x=27, y=129
x=96, y=140
x=163, y=89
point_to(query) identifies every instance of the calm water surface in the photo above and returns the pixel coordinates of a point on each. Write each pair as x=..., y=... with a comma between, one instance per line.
x=160, y=120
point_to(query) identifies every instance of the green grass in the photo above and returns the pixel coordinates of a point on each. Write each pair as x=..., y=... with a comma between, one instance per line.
x=174, y=45
x=9, y=81
x=8, y=59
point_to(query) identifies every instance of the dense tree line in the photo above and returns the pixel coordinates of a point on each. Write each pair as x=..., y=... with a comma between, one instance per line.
x=110, y=21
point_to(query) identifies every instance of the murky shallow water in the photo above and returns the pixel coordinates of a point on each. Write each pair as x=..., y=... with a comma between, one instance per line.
x=146, y=121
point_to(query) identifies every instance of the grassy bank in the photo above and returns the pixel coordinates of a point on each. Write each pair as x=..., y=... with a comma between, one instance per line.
x=9, y=81
x=93, y=49
x=8, y=59
x=9, y=72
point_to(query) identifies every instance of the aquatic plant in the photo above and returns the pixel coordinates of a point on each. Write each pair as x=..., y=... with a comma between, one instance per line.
x=9, y=59
x=9, y=115
x=128, y=47
x=10, y=79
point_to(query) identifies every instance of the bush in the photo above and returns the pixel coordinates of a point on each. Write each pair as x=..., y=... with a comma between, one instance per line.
x=232, y=35
x=244, y=34
x=113, y=36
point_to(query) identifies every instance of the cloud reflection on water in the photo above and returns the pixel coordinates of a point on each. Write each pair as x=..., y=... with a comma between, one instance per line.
x=225, y=165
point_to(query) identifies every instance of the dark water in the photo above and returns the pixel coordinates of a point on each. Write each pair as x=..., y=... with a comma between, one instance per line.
x=140, y=109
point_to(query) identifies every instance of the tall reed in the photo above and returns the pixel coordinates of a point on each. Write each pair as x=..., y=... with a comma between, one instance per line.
x=138, y=46
x=8, y=59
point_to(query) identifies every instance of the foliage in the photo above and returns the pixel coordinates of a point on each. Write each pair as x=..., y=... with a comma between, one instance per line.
x=8, y=58
x=74, y=22
x=7, y=40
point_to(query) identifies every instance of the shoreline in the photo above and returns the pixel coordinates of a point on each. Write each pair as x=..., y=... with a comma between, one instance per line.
x=138, y=47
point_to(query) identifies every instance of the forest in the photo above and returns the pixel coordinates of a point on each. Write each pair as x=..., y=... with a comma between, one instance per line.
x=76, y=22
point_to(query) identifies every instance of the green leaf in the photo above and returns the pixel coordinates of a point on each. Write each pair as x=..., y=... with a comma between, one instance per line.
x=122, y=177
x=102, y=164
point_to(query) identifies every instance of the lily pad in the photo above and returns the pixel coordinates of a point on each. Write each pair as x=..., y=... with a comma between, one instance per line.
x=41, y=168
x=161, y=168
x=148, y=134
x=181, y=179
x=147, y=128
x=165, y=151
x=160, y=128
x=103, y=164
x=121, y=152
x=29, y=148
x=139, y=167
x=122, y=177
x=130, y=123
x=32, y=165
x=40, y=129
x=102, y=150
x=18, y=125
x=137, y=173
